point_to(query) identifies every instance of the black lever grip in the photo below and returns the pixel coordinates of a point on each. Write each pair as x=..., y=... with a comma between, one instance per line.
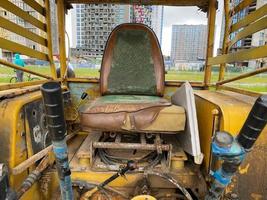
x=53, y=104
x=254, y=124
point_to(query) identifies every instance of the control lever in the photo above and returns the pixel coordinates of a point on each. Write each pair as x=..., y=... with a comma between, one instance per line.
x=131, y=165
x=53, y=104
x=83, y=96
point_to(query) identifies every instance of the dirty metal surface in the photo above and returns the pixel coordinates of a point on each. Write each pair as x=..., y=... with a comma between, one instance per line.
x=188, y=176
x=251, y=180
x=40, y=137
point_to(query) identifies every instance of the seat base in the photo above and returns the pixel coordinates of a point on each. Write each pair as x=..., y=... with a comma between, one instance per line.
x=132, y=113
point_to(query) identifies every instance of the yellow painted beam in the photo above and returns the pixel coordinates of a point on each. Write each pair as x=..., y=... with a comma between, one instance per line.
x=9, y=64
x=243, y=4
x=249, y=30
x=246, y=54
x=61, y=35
x=7, y=5
x=15, y=47
x=237, y=90
x=242, y=76
x=36, y=6
x=21, y=84
x=49, y=40
x=13, y=27
x=227, y=20
x=210, y=39
x=252, y=17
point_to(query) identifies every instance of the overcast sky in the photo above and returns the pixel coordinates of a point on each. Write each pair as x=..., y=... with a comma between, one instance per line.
x=179, y=15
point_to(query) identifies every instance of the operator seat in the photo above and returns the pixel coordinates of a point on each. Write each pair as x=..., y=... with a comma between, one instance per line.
x=132, y=85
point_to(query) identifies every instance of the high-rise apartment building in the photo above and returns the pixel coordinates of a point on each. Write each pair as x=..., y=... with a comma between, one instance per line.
x=157, y=21
x=92, y=24
x=188, y=43
x=152, y=16
x=251, y=41
x=14, y=37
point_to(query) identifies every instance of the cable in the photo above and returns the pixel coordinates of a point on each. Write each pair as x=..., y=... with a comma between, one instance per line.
x=152, y=158
x=173, y=181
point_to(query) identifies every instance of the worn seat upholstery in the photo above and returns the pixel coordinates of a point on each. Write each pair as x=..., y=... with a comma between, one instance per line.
x=132, y=86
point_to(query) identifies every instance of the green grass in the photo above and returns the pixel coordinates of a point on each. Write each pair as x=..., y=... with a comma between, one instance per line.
x=256, y=83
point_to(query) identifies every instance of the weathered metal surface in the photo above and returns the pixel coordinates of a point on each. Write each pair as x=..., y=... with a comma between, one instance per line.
x=225, y=36
x=33, y=177
x=61, y=9
x=111, y=145
x=12, y=133
x=188, y=176
x=49, y=39
x=33, y=159
x=173, y=83
x=40, y=138
x=210, y=39
x=234, y=109
x=7, y=94
x=20, y=85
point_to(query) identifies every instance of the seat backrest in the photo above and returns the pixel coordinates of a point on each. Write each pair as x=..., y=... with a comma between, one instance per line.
x=132, y=62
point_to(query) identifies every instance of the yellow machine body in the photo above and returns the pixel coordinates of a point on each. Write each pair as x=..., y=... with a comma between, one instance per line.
x=219, y=108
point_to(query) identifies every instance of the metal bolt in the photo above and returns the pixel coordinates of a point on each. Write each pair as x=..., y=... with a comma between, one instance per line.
x=22, y=133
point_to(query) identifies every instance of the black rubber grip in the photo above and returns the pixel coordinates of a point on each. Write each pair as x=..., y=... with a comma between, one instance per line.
x=254, y=124
x=53, y=104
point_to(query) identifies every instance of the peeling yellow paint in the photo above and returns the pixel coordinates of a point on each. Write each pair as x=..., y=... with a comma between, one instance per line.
x=244, y=170
x=256, y=196
x=230, y=187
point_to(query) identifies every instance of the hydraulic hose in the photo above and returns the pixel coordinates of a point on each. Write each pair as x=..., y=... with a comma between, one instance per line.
x=232, y=151
x=254, y=124
x=32, y=177
x=53, y=104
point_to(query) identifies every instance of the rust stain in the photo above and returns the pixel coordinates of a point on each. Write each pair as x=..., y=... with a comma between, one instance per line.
x=229, y=188
x=256, y=196
x=244, y=170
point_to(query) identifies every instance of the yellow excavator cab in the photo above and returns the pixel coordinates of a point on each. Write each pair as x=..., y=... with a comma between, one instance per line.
x=132, y=133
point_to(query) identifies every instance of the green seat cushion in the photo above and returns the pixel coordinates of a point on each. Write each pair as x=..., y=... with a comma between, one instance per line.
x=132, y=69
